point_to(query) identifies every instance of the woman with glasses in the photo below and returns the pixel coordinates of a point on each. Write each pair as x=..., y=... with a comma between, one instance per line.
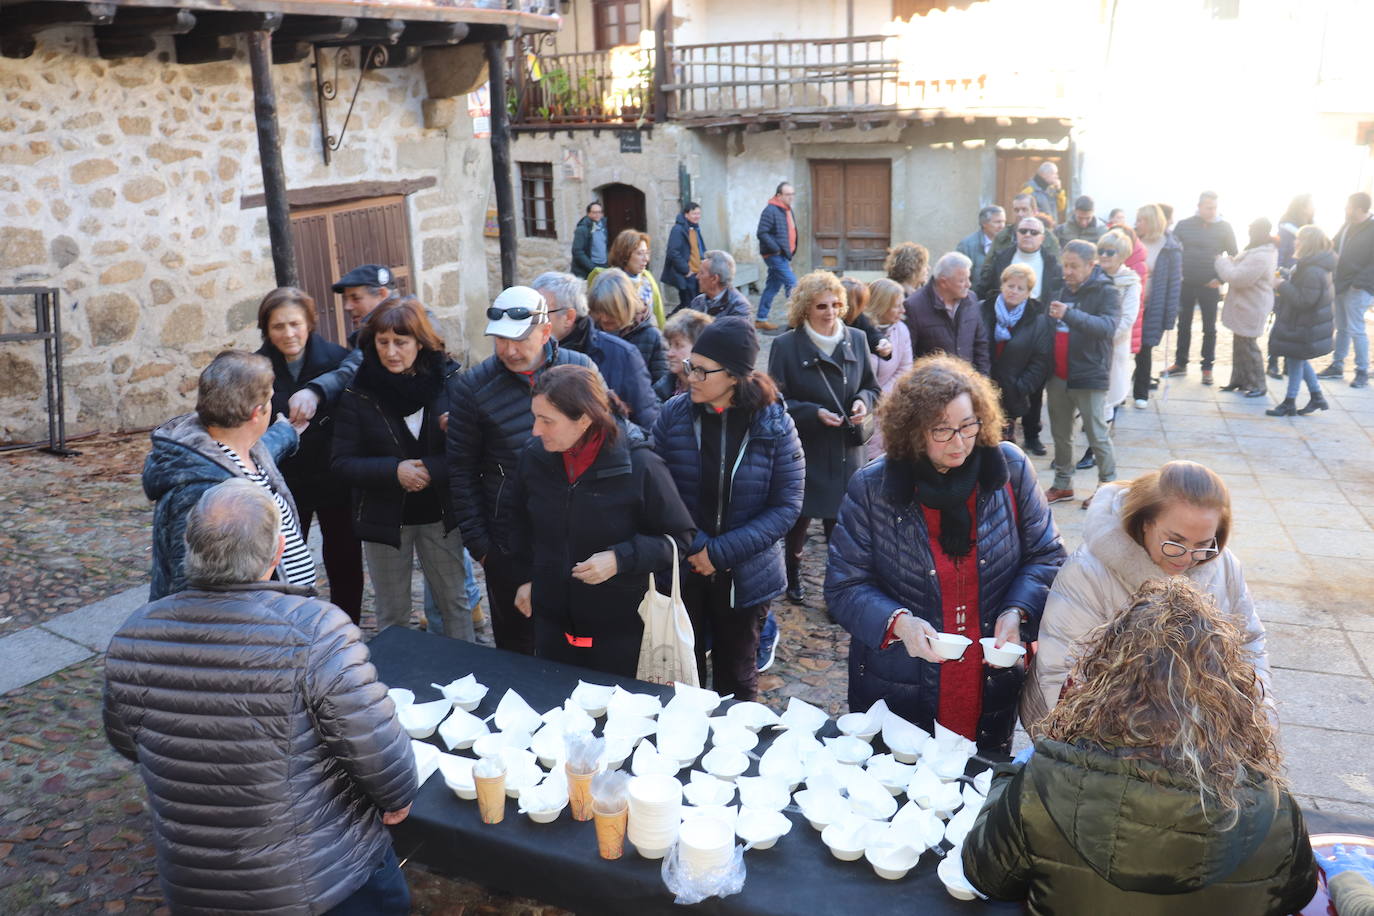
x=733, y=452
x=949, y=533
x=389, y=446
x=630, y=253
x=1170, y=522
x=822, y=370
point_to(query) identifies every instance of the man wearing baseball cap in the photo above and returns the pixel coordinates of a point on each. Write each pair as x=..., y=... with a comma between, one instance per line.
x=489, y=423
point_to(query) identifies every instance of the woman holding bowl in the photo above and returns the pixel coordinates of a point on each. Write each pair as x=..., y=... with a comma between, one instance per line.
x=597, y=513
x=949, y=534
x=821, y=368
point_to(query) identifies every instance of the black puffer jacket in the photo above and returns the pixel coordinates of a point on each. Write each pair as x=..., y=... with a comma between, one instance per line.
x=370, y=442
x=489, y=423
x=1080, y=830
x=1162, y=292
x=1092, y=324
x=648, y=340
x=307, y=472
x=268, y=746
x=1025, y=362
x=1303, y=323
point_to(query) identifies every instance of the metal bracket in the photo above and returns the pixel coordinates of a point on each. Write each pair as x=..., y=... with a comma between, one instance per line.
x=370, y=57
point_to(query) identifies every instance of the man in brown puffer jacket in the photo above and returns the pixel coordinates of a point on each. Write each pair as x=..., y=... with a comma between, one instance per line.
x=271, y=752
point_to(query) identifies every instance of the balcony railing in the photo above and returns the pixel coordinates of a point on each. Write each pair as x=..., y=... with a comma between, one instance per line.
x=597, y=87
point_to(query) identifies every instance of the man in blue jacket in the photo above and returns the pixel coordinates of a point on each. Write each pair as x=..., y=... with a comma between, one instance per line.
x=777, y=243
x=685, y=251
x=977, y=247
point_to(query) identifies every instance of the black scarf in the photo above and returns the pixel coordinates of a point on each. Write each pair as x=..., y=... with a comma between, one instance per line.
x=400, y=392
x=949, y=494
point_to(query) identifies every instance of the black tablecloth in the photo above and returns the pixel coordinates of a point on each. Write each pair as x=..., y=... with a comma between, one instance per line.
x=558, y=862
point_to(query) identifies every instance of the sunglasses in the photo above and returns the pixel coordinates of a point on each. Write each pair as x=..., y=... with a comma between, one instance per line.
x=1108, y=252
x=517, y=313
x=1029, y=232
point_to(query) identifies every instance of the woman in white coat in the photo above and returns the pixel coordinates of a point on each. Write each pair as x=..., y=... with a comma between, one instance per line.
x=1113, y=248
x=1170, y=522
x=1249, y=279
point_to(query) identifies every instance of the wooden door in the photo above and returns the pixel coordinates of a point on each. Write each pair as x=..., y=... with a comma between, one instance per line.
x=330, y=241
x=624, y=206
x=1015, y=167
x=851, y=213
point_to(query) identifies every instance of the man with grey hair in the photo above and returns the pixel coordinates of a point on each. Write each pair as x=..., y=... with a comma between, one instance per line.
x=976, y=247
x=566, y=296
x=1050, y=196
x=230, y=434
x=271, y=753
x=943, y=315
x=718, y=297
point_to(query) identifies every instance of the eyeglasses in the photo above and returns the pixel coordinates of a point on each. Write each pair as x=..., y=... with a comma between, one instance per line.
x=516, y=312
x=1107, y=251
x=825, y=306
x=945, y=433
x=1029, y=232
x=696, y=373
x=1199, y=554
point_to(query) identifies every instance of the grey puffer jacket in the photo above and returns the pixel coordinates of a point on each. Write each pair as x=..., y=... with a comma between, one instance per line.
x=268, y=746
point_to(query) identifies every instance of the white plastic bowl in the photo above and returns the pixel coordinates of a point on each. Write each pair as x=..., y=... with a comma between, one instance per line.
x=762, y=828
x=890, y=862
x=951, y=873
x=725, y=763
x=762, y=793
x=707, y=793
x=401, y=697
x=858, y=724
x=950, y=645
x=654, y=853
x=1004, y=657
x=547, y=816
x=822, y=809
x=844, y=852
x=421, y=719
x=751, y=715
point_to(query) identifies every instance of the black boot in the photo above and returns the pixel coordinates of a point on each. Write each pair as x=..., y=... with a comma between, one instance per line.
x=1286, y=408
x=1315, y=401
x=1273, y=369
x=796, y=592
x=1087, y=461
x=1035, y=446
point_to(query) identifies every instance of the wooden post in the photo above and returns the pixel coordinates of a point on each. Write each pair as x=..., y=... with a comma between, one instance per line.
x=269, y=150
x=661, y=66
x=500, y=158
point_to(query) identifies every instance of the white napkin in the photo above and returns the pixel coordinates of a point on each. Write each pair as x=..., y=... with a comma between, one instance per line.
x=465, y=690
x=647, y=761
x=915, y=825
x=514, y=714
x=461, y=728
x=591, y=696
x=848, y=750
x=781, y=763
x=426, y=758
x=763, y=792
x=624, y=703
x=802, y=716
x=457, y=771
x=961, y=824
x=700, y=697
x=946, y=741
x=901, y=736
x=751, y=715
x=868, y=797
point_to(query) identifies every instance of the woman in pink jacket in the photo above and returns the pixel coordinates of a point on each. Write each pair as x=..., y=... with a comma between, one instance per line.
x=885, y=309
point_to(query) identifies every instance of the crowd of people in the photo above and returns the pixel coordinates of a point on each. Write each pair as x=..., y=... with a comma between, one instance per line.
x=603, y=442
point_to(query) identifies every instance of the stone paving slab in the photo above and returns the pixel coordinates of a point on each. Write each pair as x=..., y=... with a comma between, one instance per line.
x=95, y=624
x=34, y=653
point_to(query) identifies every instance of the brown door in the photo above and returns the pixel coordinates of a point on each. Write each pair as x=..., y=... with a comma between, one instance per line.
x=1015, y=167
x=624, y=206
x=332, y=240
x=851, y=213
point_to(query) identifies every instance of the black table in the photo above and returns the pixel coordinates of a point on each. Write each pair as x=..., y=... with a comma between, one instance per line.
x=558, y=862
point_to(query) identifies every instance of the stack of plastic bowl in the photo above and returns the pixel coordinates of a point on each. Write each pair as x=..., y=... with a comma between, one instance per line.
x=655, y=813
x=706, y=845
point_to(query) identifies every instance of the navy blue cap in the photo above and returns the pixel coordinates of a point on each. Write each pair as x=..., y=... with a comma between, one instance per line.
x=366, y=275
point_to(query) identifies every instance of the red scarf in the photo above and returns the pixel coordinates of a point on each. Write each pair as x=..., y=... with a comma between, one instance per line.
x=581, y=456
x=791, y=223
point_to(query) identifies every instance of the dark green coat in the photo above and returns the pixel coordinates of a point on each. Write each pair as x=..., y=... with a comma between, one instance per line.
x=1080, y=831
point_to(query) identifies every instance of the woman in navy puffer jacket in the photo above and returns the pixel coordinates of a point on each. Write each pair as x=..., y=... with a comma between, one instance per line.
x=950, y=533
x=733, y=452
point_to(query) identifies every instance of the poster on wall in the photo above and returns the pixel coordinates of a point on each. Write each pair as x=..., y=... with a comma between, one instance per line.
x=491, y=228
x=479, y=109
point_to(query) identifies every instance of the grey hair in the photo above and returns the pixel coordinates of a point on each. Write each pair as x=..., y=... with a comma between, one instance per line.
x=231, y=534
x=721, y=265
x=1084, y=251
x=228, y=389
x=988, y=213
x=949, y=263
x=1029, y=197
x=567, y=291
x=1045, y=167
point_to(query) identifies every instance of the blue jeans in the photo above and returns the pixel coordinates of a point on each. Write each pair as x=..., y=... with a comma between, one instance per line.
x=780, y=276
x=1299, y=371
x=1350, y=308
x=384, y=894
x=434, y=621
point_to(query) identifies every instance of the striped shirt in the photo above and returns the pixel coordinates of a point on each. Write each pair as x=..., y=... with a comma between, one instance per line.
x=296, y=559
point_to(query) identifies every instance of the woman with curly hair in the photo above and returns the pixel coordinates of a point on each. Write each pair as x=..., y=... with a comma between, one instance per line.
x=822, y=371
x=1157, y=786
x=949, y=534
x=908, y=264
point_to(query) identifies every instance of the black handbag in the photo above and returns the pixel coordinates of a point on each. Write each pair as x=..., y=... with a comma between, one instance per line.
x=856, y=435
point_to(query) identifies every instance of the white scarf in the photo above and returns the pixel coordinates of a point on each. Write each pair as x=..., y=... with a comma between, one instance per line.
x=826, y=345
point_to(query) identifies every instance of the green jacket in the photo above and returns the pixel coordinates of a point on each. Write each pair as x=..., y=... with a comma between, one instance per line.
x=653, y=285
x=1078, y=830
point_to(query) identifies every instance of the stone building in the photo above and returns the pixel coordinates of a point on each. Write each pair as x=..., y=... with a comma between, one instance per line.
x=130, y=181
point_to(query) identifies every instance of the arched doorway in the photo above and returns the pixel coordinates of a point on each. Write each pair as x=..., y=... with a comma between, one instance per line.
x=624, y=205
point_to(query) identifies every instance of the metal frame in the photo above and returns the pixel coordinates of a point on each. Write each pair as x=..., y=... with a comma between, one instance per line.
x=47, y=318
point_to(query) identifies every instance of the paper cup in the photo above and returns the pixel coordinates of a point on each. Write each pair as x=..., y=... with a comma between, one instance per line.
x=579, y=794
x=491, y=798
x=610, y=831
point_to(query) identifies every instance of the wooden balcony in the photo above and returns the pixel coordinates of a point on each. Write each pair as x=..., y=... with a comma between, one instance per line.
x=594, y=88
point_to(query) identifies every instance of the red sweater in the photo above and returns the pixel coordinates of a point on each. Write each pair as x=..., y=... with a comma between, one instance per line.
x=961, y=682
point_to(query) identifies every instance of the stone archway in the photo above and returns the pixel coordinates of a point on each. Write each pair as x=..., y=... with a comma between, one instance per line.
x=624, y=205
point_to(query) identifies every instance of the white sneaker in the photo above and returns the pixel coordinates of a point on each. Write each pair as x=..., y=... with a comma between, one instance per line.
x=1141, y=403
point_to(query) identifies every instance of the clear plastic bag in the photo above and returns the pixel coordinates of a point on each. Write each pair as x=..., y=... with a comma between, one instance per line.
x=690, y=886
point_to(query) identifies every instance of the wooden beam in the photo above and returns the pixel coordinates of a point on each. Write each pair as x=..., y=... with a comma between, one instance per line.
x=134, y=31
x=500, y=161
x=370, y=32
x=211, y=39
x=18, y=24
x=322, y=195
x=269, y=152
x=431, y=34
x=292, y=41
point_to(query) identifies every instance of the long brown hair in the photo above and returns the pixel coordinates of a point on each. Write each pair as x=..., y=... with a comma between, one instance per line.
x=1168, y=680
x=577, y=392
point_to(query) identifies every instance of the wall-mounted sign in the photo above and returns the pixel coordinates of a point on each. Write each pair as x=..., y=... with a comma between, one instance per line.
x=631, y=141
x=572, y=164
x=479, y=109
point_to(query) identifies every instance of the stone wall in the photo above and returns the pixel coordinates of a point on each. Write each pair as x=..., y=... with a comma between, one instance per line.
x=120, y=184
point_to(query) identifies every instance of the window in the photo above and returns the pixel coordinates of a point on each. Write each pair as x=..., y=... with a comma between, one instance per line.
x=617, y=23
x=536, y=199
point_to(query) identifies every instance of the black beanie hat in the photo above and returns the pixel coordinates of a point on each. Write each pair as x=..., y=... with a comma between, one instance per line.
x=730, y=341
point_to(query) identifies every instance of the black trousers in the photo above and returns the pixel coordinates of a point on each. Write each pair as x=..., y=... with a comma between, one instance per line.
x=1030, y=421
x=343, y=555
x=795, y=542
x=1200, y=296
x=613, y=653
x=731, y=633
x=1140, y=381
x=512, y=629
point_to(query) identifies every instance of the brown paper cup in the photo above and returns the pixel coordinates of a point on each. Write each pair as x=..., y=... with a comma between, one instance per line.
x=610, y=832
x=579, y=794
x=491, y=798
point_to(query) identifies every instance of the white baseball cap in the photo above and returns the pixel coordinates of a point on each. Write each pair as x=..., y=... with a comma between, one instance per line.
x=516, y=312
